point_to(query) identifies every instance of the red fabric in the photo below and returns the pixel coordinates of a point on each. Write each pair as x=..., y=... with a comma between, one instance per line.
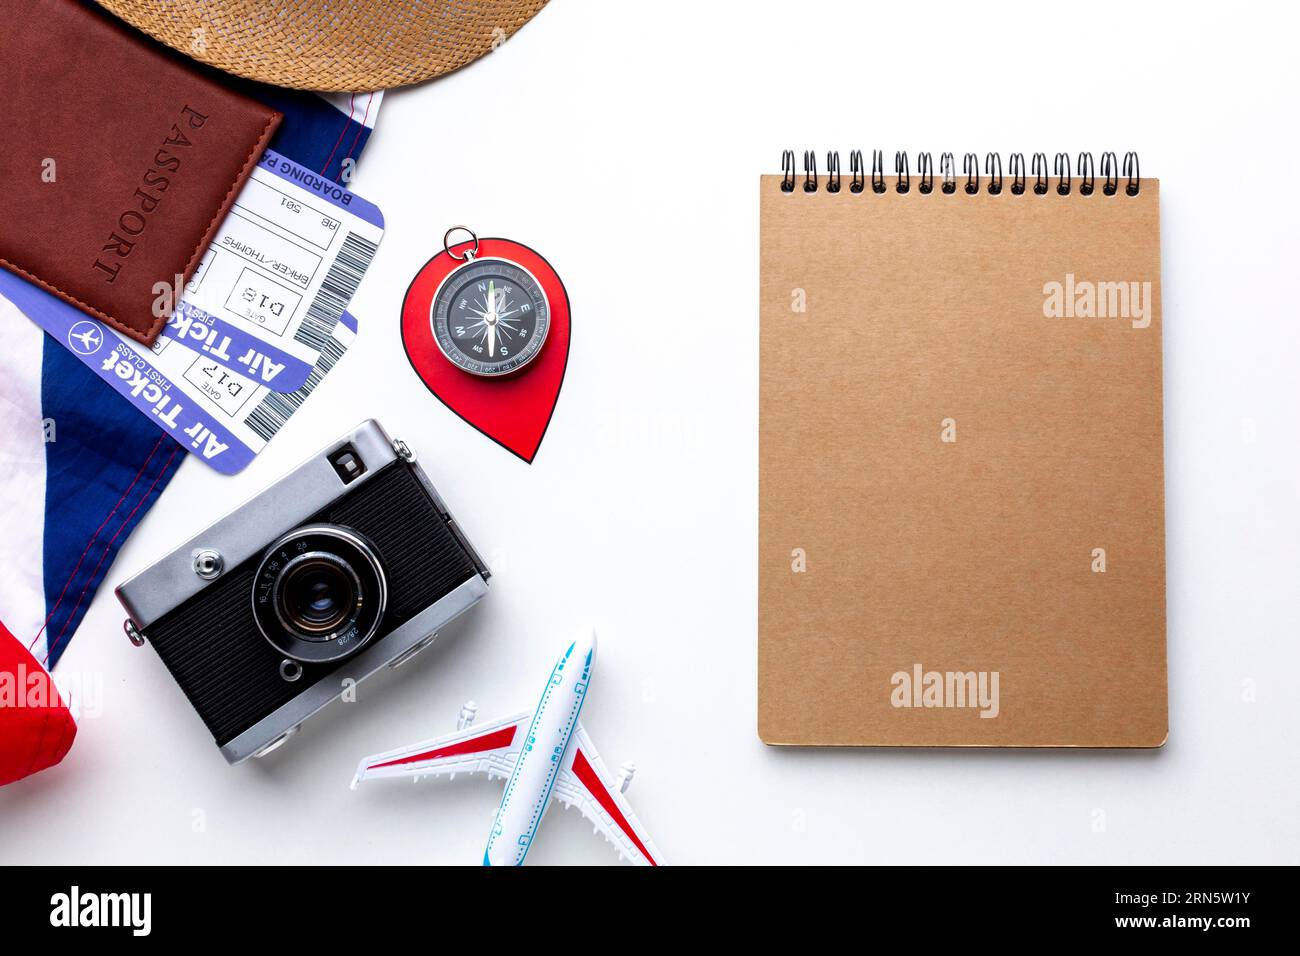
x=36, y=728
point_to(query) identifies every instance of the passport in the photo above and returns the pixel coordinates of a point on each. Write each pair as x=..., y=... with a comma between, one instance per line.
x=119, y=160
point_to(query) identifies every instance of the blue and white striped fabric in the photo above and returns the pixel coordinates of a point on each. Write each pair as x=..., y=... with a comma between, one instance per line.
x=79, y=466
x=78, y=469
x=311, y=134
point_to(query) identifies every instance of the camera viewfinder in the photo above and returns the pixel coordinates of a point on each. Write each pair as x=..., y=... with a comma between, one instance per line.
x=347, y=464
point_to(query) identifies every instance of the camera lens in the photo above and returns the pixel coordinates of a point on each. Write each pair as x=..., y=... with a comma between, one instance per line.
x=319, y=593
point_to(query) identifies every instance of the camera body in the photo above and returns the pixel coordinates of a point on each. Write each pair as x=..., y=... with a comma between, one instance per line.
x=348, y=564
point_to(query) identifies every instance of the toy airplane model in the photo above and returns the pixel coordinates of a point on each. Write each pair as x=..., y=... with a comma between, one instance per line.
x=542, y=753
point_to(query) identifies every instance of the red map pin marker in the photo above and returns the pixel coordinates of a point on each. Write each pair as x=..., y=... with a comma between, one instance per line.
x=513, y=410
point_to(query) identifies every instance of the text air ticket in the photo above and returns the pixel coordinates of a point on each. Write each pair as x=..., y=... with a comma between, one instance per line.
x=236, y=349
x=282, y=268
x=221, y=417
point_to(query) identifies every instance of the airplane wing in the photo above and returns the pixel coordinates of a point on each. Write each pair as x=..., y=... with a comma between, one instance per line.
x=489, y=748
x=586, y=783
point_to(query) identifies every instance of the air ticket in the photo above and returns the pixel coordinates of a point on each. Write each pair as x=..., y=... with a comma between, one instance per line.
x=281, y=269
x=220, y=416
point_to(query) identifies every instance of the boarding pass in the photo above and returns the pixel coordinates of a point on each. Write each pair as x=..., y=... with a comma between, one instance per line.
x=284, y=264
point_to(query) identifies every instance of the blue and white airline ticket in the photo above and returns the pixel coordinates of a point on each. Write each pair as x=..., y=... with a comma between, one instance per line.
x=234, y=348
x=220, y=416
x=278, y=275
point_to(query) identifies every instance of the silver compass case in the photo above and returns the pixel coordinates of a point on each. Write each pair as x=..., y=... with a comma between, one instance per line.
x=485, y=328
x=199, y=605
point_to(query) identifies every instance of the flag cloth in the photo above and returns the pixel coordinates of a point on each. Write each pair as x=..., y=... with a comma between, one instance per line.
x=79, y=468
x=325, y=132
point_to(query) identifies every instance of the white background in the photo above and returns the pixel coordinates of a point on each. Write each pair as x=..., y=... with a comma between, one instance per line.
x=624, y=142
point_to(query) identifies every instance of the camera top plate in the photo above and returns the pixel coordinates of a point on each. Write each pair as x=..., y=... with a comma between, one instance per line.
x=249, y=529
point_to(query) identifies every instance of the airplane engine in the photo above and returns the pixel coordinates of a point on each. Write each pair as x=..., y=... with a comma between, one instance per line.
x=467, y=714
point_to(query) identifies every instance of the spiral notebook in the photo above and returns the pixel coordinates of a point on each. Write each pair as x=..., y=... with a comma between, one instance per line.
x=961, y=491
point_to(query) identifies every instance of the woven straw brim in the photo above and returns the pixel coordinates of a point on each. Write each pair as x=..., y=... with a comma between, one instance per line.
x=348, y=46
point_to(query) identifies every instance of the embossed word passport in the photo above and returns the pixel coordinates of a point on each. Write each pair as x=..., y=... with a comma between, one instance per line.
x=119, y=161
x=961, y=489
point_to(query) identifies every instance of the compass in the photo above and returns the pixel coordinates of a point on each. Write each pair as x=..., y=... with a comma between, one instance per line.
x=502, y=377
x=490, y=315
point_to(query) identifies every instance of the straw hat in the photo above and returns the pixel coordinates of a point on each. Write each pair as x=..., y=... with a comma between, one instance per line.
x=340, y=45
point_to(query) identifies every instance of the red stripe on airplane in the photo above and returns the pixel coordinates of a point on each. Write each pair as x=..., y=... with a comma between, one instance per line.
x=585, y=772
x=475, y=745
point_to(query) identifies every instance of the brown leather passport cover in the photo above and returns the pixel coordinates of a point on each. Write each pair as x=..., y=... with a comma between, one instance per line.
x=119, y=160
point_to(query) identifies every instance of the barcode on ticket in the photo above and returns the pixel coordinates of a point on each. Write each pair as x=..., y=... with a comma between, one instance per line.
x=274, y=410
x=335, y=292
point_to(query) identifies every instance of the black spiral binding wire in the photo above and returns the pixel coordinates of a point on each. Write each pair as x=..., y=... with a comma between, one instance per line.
x=1016, y=167
x=1109, y=169
x=948, y=171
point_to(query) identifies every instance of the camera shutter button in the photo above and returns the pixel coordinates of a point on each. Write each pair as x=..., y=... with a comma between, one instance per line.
x=208, y=564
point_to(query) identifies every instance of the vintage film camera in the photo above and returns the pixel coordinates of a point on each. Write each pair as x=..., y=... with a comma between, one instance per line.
x=348, y=564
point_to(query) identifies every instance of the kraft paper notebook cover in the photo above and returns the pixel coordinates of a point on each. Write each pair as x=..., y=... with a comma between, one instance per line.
x=961, y=491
